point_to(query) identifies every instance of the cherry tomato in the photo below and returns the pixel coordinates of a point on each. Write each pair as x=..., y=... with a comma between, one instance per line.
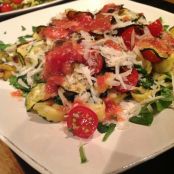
x=5, y=7
x=150, y=55
x=17, y=1
x=132, y=80
x=127, y=36
x=156, y=28
x=82, y=121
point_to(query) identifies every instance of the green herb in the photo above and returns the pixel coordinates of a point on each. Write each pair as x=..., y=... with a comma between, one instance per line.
x=140, y=69
x=146, y=82
x=102, y=128
x=145, y=117
x=109, y=131
x=23, y=28
x=82, y=155
x=37, y=78
x=166, y=27
x=22, y=39
x=3, y=46
x=58, y=100
x=14, y=82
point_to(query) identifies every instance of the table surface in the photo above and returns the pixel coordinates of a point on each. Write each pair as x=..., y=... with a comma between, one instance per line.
x=161, y=164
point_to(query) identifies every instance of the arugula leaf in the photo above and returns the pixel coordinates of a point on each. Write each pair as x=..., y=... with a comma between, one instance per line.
x=140, y=69
x=83, y=157
x=145, y=117
x=109, y=131
x=166, y=27
x=3, y=46
x=146, y=82
x=14, y=82
x=22, y=39
x=102, y=128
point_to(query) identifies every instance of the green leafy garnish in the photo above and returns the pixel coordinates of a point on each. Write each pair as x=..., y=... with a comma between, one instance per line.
x=140, y=69
x=146, y=82
x=166, y=27
x=82, y=155
x=34, y=29
x=14, y=82
x=145, y=117
x=3, y=46
x=109, y=131
x=22, y=39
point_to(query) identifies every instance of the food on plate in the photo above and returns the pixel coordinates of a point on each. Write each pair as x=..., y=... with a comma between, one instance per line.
x=94, y=70
x=10, y=5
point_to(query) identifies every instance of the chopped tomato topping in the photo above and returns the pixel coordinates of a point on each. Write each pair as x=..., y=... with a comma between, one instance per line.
x=17, y=1
x=17, y=93
x=60, y=60
x=112, y=109
x=102, y=84
x=113, y=44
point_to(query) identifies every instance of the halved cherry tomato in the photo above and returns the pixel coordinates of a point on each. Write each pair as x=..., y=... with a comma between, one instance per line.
x=82, y=121
x=132, y=80
x=156, y=28
x=5, y=7
x=150, y=55
x=17, y=1
x=127, y=36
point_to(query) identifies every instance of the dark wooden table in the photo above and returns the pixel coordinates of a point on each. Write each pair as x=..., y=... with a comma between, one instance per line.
x=162, y=164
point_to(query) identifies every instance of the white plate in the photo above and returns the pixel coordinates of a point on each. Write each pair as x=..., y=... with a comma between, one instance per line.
x=46, y=147
x=28, y=9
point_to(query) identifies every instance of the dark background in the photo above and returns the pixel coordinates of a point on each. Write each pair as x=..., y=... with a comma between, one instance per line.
x=162, y=164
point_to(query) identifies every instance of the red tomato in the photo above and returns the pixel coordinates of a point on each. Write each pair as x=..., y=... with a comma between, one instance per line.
x=112, y=108
x=132, y=80
x=5, y=7
x=101, y=23
x=17, y=1
x=82, y=121
x=54, y=33
x=52, y=85
x=127, y=36
x=113, y=44
x=60, y=60
x=95, y=62
x=156, y=28
x=151, y=56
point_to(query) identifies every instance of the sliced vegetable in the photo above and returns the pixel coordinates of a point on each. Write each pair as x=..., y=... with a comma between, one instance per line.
x=36, y=94
x=165, y=65
x=82, y=121
x=3, y=46
x=52, y=113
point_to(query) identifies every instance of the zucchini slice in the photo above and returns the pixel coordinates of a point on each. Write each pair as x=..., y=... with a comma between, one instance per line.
x=52, y=113
x=36, y=94
x=171, y=31
x=164, y=66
